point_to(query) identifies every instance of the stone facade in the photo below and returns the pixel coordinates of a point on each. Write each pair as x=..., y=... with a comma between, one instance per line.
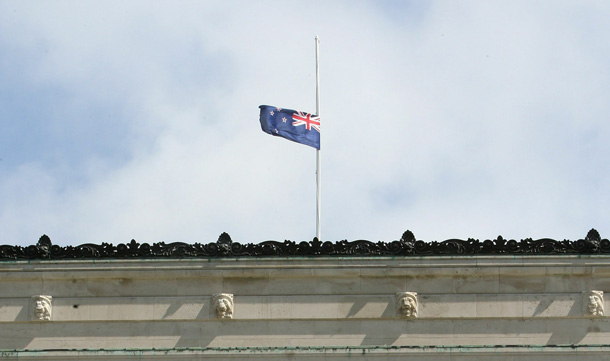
x=304, y=308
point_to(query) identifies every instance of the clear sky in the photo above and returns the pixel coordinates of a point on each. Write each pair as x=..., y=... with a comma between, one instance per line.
x=453, y=119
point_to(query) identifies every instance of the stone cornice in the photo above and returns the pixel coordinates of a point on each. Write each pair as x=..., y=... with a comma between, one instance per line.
x=225, y=247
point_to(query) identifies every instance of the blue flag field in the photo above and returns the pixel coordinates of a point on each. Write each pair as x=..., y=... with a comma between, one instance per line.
x=291, y=124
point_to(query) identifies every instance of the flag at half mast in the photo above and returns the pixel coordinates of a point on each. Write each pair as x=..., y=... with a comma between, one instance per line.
x=291, y=124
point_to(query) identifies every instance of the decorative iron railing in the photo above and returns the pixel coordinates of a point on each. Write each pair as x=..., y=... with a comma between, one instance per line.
x=226, y=247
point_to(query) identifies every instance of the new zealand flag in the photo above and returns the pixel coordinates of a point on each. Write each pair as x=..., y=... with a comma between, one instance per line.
x=291, y=124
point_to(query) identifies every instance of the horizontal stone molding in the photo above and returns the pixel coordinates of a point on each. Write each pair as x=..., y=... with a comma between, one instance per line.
x=333, y=307
x=304, y=333
x=386, y=353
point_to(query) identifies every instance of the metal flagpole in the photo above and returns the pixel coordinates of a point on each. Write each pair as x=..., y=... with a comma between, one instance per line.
x=318, y=160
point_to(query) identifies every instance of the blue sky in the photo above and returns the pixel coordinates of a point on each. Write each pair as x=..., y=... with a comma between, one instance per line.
x=451, y=119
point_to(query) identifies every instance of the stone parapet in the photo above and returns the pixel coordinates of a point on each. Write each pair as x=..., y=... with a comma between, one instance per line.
x=436, y=307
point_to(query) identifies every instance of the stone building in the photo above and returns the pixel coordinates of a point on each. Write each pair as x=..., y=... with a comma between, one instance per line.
x=453, y=300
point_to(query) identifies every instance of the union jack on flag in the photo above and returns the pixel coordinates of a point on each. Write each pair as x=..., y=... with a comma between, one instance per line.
x=310, y=121
x=303, y=128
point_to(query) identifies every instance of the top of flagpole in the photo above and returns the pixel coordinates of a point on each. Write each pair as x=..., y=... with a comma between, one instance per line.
x=317, y=39
x=318, y=160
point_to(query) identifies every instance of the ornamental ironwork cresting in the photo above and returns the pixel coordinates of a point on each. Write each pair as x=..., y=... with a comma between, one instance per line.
x=407, y=245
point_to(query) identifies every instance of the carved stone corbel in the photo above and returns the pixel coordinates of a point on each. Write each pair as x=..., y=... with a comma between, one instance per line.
x=222, y=305
x=593, y=303
x=41, y=308
x=406, y=304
